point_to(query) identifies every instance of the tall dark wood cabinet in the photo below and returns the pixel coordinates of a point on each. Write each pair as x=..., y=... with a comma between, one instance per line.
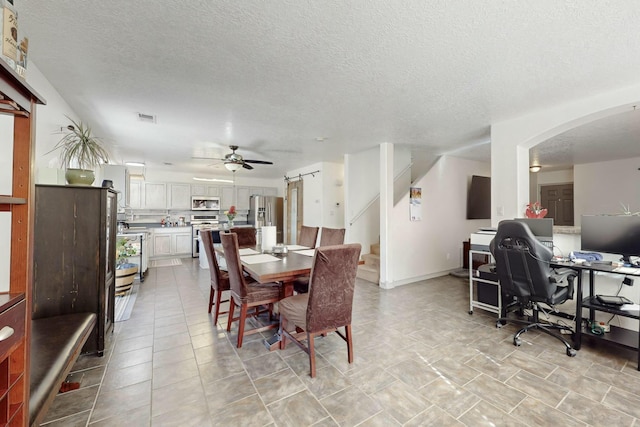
x=19, y=100
x=75, y=256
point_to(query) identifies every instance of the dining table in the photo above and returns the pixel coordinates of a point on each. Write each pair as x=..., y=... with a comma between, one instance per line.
x=284, y=268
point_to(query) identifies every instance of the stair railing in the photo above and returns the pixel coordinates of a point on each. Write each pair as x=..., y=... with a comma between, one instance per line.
x=377, y=196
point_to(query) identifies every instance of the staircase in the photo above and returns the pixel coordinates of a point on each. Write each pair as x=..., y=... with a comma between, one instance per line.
x=370, y=270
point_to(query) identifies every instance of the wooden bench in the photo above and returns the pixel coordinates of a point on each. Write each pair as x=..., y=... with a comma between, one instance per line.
x=56, y=343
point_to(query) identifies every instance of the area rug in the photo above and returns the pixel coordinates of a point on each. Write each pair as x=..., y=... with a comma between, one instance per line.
x=124, y=304
x=166, y=262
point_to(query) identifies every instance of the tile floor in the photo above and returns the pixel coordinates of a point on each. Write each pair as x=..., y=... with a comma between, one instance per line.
x=420, y=359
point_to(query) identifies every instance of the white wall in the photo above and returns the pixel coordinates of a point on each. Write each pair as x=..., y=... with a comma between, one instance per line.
x=512, y=139
x=600, y=188
x=433, y=246
x=49, y=119
x=333, y=195
x=361, y=186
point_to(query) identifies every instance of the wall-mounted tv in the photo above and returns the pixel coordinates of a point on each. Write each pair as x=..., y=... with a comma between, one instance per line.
x=479, y=198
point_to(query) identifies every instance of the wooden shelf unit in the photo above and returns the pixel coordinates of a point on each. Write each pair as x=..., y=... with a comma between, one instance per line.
x=19, y=100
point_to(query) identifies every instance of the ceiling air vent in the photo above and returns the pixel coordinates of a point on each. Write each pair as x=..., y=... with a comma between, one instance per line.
x=147, y=118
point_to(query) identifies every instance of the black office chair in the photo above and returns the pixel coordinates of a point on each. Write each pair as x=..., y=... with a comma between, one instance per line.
x=524, y=272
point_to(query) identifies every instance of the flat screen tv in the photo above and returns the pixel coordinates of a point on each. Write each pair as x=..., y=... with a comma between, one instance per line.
x=612, y=234
x=479, y=198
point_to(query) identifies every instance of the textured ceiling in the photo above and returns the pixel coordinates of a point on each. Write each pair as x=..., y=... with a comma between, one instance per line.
x=274, y=76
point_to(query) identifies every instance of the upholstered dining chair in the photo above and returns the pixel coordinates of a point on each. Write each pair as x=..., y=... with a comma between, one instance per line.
x=219, y=278
x=246, y=236
x=331, y=236
x=308, y=236
x=328, y=304
x=245, y=295
x=328, y=237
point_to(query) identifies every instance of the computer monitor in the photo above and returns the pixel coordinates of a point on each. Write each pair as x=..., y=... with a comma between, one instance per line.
x=613, y=234
x=542, y=228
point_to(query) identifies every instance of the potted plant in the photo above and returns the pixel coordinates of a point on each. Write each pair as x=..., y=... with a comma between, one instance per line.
x=80, y=153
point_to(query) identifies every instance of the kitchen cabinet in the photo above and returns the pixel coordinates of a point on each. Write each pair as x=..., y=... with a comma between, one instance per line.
x=135, y=193
x=75, y=258
x=242, y=198
x=154, y=195
x=227, y=198
x=119, y=176
x=16, y=230
x=161, y=244
x=170, y=241
x=179, y=196
x=181, y=243
x=205, y=190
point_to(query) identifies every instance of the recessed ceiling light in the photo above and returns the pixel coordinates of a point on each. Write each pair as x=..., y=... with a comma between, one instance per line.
x=196, y=178
x=322, y=138
x=138, y=164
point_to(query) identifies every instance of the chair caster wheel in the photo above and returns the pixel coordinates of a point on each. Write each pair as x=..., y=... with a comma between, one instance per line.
x=571, y=352
x=499, y=324
x=470, y=311
x=517, y=342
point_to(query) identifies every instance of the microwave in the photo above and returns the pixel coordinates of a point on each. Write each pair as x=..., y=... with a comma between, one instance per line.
x=203, y=203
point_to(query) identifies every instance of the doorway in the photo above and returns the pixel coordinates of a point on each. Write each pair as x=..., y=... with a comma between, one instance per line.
x=558, y=199
x=294, y=211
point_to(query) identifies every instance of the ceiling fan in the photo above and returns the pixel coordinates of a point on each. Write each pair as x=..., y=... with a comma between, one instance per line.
x=234, y=161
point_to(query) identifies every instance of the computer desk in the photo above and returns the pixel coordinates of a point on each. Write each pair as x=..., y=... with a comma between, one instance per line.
x=620, y=336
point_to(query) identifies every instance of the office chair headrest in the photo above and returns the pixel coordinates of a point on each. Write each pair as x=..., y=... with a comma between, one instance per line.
x=516, y=235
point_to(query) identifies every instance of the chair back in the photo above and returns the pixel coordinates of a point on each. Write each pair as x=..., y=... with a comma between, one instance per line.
x=214, y=269
x=522, y=263
x=234, y=266
x=333, y=277
x=331, y=236
x=308, y=236
x=246, y=236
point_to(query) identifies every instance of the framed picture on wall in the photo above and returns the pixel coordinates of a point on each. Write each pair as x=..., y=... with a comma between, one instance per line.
x=415, y=203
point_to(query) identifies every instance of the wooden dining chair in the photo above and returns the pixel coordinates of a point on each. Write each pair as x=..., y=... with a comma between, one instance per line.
x=328, y=237
x=219, y=278
x=308, y=236
x=246, y=236
x=243, y=294
x=328, y=304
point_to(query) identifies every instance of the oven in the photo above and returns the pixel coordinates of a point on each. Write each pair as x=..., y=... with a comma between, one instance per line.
x=201, y=222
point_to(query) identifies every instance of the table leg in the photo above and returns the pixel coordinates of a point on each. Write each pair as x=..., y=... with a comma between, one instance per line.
x=577, y=340
x=273, y=343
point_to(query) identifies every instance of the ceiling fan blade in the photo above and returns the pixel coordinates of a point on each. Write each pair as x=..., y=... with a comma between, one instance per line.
x=246, y=166
x=259, y=162
x=206, y=158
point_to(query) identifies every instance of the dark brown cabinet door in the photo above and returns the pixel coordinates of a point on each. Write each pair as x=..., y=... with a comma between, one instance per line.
x=74, y=255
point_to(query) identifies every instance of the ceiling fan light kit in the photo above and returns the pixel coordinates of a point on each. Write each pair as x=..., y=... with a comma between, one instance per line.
x=232, y=166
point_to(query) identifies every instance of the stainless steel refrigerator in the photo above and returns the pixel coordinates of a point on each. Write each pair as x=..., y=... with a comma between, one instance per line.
x=266, y=210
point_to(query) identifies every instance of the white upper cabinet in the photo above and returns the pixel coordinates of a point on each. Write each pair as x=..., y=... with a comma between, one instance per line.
x=119, y=175
x=243, y=194
x=227, y=198
x=205, y=190
x=179, y=196
x=155, y=195
x=135, y=193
